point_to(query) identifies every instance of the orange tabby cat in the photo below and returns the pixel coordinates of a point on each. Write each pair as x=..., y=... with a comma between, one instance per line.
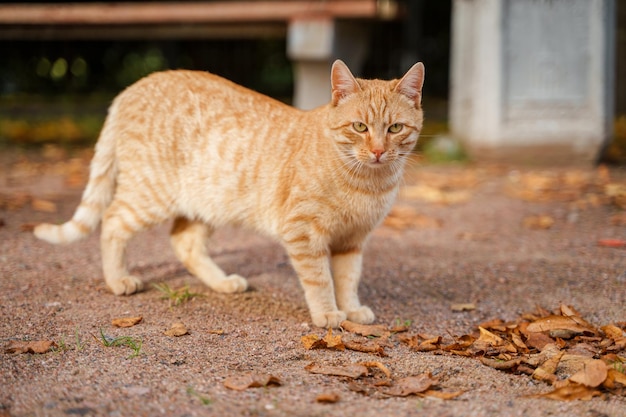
x=197, y=148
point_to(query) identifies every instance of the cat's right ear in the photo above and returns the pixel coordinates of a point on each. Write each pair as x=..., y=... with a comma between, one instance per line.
x=342, y=81
x=411, y=84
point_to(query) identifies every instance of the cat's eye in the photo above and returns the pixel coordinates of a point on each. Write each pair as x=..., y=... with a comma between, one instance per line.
x=395, y=128
x=359, y=127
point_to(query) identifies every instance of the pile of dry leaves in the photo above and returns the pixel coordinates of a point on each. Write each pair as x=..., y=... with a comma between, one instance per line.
x=582, y=188
x=560, y=348
x=371, y=378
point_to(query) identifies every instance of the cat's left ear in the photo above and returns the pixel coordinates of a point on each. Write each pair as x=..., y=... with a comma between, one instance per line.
x=411, y=84
x=342, y=81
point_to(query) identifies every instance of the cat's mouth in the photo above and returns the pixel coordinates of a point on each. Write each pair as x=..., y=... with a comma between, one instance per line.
x=378, y=159
x=376, y=163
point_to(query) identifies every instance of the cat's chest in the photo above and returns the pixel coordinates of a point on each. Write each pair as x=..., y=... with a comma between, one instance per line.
x=358, y=212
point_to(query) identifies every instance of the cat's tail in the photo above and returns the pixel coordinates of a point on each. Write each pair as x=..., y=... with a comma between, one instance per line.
x=96, y=198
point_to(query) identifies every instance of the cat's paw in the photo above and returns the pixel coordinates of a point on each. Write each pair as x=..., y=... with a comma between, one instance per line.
x=330, y=319
x=231, y=284
x=126, y=286
x=362, y=315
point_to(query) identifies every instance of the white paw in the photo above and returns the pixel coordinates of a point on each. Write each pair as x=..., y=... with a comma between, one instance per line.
x=233, y=283
x=362, y=315
x=126, y=286
x=330, y=319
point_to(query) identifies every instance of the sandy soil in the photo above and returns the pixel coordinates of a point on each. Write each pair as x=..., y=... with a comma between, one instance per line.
x=481, y=254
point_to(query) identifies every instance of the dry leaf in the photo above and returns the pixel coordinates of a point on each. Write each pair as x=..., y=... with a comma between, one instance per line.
x=538, y=340
x=548, y=351
x=570, y=186
x=568, y=311
x=616, y=193
x=400, y=328
x=422, y=342
x=463, y=307
x=376, y=330
x=312, y=341
x=333, y=342
x=328, y=397
x=38, y=346
x=411, y=385
x=571, y=363
x=517, y=341
x=538, y=222
x=574, y=324
x=368, y=346
x=379, y=365
x=27, y=227
x=353, y=371
x=429, y=345
x=500, y=364
x=488, y=341
x=546, y=371
x=14, y=201
x=614, y=377
x=402, y=217
x=613, y=332
x=44, y=205
x=443, y=395
x=251, y=380
x=570, y=392
x=177, y=329
x=126, y=321
x=435, y=195
x=592, y=375
x=612, y=243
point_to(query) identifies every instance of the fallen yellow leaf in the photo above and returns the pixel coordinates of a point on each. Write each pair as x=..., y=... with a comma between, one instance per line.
x=177, y=329
x=126, y=321
x=44, y=205
x=353, y=371
x=411, y=385
x=593, y=374
x=570, y=392
x=328, y=397
x=37, y=346
x=376, y=330
x=538, y=222
x=251, y=380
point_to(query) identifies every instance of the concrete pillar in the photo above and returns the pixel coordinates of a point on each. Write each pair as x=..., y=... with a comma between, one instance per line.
x=313, y=44
x=532, y=80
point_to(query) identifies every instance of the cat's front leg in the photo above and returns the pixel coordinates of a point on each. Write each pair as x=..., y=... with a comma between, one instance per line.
x=346, y=268
x=313, y=269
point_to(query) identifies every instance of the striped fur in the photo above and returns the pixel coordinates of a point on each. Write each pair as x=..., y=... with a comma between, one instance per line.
x=204, y=151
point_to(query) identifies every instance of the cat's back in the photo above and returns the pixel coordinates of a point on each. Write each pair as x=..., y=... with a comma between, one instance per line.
x=191, y=91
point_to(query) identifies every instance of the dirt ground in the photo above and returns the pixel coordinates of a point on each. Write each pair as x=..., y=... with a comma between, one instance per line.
x=474, y=249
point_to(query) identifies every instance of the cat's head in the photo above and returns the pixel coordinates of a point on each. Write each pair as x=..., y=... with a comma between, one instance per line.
x=375, y=123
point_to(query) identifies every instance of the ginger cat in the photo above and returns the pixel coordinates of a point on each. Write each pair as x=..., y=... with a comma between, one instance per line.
x=200, y=149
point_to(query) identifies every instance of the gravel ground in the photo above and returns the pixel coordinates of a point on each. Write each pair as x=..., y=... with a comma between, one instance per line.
x=481, y=254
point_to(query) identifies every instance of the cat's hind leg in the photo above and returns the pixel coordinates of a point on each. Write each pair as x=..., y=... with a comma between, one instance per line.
x=120, y=223
x=189, y=240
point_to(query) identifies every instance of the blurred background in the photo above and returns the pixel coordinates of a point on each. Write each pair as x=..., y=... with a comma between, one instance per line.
x=58, y=73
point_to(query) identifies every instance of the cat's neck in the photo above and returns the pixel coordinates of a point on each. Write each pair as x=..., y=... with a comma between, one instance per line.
x=369, y=180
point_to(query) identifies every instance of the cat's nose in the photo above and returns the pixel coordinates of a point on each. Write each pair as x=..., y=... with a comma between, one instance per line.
x=378, y=153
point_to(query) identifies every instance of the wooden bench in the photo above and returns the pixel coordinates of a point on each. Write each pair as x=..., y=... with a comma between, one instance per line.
x=317, y=31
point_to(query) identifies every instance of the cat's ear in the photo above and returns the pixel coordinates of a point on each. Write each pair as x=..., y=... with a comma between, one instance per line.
x=411, y=84
x=342, y=81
